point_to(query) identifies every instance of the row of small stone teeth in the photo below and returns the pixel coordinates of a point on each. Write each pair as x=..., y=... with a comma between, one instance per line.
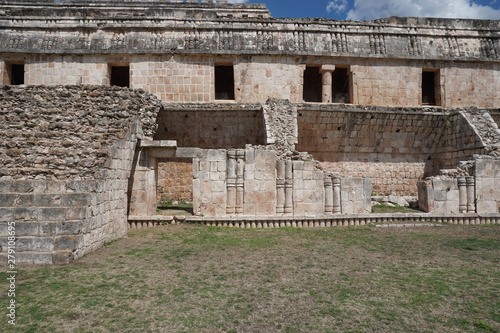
x=424, y=222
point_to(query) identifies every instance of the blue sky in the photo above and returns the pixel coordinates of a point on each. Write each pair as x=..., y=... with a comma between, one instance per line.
x=372, y=9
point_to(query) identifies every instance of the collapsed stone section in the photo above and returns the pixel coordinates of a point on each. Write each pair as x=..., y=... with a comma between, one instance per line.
x=470, y=146
x=68, y=154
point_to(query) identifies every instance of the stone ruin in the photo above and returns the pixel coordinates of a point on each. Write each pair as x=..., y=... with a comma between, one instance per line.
x=109, y=108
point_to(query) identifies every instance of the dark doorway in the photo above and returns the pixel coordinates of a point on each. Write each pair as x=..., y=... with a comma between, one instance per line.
x=312, y=85
x=120, y=76
x=429, y=88
x=341, y=86
x=16, y=74
x=224, y=82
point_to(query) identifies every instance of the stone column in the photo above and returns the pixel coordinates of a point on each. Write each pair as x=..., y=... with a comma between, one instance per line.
x=470, y=194
x=336, y=195
x=328, y=194
x=326, y=72
x=240, y=168
x=288, y=187
x=280, y=187
x=231, y=182
x=462, y=195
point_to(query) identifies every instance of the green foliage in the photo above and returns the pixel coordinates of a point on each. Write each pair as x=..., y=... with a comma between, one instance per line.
x=381, y=208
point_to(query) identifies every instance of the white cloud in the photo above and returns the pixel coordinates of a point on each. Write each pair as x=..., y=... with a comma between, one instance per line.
x=238, y=1
x=337, y=5
x=370, y=9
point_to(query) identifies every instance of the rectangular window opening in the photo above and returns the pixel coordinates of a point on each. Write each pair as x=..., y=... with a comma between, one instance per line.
x=120, y=76
x=224, y=82
x=341, y=86
x=430, y=86
x=312, y=85
x=15, y=73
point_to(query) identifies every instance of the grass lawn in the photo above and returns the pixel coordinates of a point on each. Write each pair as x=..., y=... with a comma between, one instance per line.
x=185, y=278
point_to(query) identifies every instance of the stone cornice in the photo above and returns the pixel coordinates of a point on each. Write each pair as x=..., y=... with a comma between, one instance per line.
x=184, y=28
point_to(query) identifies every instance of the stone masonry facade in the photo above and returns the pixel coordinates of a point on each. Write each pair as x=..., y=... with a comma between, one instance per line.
x=109, y=107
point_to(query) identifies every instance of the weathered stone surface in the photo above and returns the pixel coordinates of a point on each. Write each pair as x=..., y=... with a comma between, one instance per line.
x=167, y=28
x=66, y=132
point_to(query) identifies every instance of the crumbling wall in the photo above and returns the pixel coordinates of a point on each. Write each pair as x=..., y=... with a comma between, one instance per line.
x=175, y=179
x=459, y=142
x=68, y=154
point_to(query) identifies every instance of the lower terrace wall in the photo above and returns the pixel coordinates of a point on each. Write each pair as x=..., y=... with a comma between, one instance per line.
x=67, y=157
x=394, y=148
x=253, y=182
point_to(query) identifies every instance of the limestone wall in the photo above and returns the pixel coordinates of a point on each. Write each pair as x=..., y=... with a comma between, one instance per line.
x=393, y=148
x=212, y=126
x=68, y=154
x=259, y=78
x=175, y=78
x=459, y=142
x=190, y=78
x=470, y=85
x=253, y=182
x=391, y=83
x=439, y=195
x=175, y=179
x=487, y=184
x=355, y=194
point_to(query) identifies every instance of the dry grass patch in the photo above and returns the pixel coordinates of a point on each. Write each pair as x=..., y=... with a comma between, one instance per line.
x=205, y=279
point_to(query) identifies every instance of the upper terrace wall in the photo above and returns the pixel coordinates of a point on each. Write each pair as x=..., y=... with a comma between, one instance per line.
x=172, y=48
x=190, y=78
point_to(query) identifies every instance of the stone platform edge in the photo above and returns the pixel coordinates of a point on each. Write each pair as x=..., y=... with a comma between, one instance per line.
x=382, y=220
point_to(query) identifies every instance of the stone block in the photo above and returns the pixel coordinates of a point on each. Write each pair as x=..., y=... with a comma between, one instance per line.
x=487, y=206
x=81, y=186
x=22, y=229
x=34, y=258
x=6, y=215
x=48, y=200
x=62, y=257
x=16, y=200
x=68, y=228
x=5, y=186
x=52, y=214
x=21, y=186
x=25, y=214
x=67, y=242
x=37, y=244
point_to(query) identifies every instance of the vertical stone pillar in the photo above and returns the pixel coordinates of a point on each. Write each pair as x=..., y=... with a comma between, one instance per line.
x=288, y=187
x=470, y=194
x=462, y=195
x=231, y=182
x=280, y=187
x=240, y=168
x=336, y=195
x=326, y=72
x=328, y=194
